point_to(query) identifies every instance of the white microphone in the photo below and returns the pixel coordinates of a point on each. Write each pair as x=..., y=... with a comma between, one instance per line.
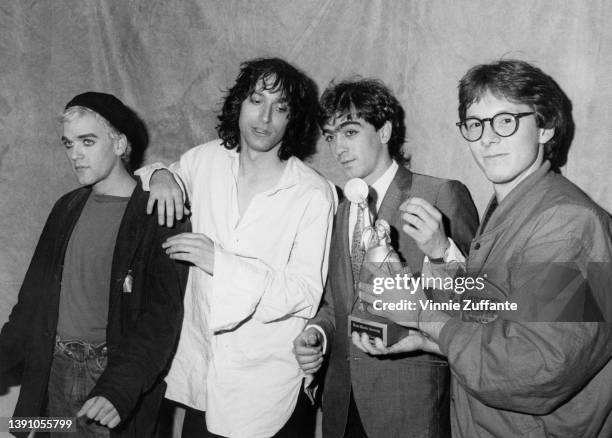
x=356, y=191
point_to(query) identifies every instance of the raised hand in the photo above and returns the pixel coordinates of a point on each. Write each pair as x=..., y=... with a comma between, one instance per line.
x=423, y=222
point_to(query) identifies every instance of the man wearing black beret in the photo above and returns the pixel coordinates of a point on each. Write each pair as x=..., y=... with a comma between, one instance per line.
x=100, y=308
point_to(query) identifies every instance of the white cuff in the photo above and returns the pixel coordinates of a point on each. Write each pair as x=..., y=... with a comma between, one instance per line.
x=452, y=253
x=145, y=173
x=320, y=330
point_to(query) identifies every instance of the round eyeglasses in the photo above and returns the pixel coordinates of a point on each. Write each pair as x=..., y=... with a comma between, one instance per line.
x=503, y=124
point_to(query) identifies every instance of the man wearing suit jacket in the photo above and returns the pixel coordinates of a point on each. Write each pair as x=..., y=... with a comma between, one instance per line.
x=396, y=395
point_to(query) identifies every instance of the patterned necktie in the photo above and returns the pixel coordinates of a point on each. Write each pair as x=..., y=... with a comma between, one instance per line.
x=357, y=249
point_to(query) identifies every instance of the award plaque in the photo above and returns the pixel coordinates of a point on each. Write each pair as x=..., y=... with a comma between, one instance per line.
x=377, y=327
x=381, y=256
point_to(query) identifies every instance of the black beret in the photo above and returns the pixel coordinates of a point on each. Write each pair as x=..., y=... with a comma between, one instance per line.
x=120, y=116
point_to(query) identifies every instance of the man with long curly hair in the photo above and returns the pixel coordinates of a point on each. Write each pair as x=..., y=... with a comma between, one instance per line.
x=262, y=224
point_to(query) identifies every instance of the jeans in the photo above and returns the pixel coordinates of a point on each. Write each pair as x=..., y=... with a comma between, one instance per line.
x=76, y=368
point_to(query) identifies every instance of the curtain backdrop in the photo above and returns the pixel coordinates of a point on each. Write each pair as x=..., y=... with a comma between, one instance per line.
x=171, y=60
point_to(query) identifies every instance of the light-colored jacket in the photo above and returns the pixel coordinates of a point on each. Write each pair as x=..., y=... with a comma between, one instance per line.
x=546, y=368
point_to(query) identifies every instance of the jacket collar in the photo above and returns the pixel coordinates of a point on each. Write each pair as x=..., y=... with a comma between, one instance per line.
x=519, y=195
x=130, y=232
x=72, y=214
x=396, y=193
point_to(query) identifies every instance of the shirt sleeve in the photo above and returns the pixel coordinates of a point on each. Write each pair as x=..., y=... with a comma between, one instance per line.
x=183, y=170
x=37, y=282
x=525, y=367
x=146, y=172
x=320, y=330
x=244, y=286
x=452, y=254
x=325, y=318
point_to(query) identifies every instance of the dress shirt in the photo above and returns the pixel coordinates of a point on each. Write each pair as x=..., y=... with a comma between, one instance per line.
x=234, y=358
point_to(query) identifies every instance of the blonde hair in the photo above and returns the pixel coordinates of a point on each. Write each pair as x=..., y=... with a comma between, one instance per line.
x=73, y=112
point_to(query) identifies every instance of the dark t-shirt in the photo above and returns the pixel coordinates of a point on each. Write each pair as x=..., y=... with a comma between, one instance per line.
x=84, y=296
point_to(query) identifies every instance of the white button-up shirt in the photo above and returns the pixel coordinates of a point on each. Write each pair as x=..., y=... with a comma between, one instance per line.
x=234, y=358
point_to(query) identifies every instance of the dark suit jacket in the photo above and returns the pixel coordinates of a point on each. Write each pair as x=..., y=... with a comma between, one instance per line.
x=403, y=395
x=143, y=325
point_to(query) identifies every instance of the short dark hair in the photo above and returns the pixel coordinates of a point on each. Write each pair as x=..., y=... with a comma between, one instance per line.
x=298, y=89
x=370, y=100
x=521, y=82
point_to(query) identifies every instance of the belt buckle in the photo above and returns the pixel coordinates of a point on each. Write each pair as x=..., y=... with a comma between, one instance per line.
x=74, y=349
x=81, y=350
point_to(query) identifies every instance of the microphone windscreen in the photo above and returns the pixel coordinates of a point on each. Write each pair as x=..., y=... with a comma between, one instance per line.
x=356, y=190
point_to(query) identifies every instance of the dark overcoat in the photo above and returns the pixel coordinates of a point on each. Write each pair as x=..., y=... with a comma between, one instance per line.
x=143, y=325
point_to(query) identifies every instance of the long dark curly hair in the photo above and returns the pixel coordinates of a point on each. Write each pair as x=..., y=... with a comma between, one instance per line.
x=300, y=93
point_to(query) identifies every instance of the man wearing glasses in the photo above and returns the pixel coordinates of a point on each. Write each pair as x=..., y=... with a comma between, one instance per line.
x=545, y=368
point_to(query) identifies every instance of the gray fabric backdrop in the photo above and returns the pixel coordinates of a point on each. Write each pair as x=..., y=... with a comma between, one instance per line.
x=171, y=60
